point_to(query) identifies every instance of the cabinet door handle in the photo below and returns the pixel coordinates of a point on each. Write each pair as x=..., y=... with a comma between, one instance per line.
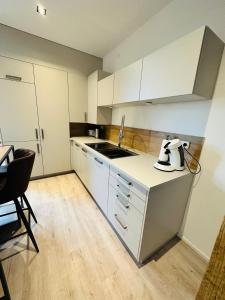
x=11, y=77
x=38, y=148
x=124, y=179
x=36, y=133
x=84, y=150
x=42, y=134
x=85, y=117
x=77, y=145
x=99, y=161
x=121, y=223
x=128, y=195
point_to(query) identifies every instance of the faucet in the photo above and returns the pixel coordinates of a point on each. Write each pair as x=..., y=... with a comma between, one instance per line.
x=121, y=131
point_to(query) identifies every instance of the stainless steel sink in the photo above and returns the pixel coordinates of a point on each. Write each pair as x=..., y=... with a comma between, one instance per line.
x=111, y=151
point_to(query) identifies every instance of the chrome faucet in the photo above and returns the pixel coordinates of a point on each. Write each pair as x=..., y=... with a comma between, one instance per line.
x=121, y=132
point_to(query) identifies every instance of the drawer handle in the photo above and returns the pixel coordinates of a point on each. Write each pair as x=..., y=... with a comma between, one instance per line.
x=128, y=195
x=99, y=161
x=124, y=205
x=124, y=179
x=11, y=77
x=118, y=220
x=84, y=150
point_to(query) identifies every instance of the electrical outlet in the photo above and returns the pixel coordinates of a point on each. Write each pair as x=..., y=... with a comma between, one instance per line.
x=185, y=144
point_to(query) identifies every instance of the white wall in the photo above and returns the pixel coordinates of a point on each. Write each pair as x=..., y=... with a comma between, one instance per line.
x=175, y=20
x=207, y=203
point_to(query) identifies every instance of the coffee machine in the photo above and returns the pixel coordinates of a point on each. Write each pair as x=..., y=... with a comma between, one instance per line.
x=171, y=157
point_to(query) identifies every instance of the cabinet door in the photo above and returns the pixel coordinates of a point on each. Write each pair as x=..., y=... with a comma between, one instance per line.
x=16, y=70
x=36, y=147
x=92, y=97
x=52, y=98
x=100, y=181
x=78, y=85
x=105, y=91
x=18, y=111
x=127, y=83
x=75, y=157
x=171, y=70
x=85, y=168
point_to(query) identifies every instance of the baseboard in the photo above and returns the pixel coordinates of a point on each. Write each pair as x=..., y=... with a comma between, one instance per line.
x=52, y=175
x=196, y=249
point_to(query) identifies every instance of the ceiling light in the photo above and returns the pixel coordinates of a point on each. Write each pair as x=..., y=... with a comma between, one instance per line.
x=41, y=10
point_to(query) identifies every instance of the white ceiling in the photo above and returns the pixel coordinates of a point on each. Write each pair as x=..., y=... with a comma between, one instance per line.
x=92, y=26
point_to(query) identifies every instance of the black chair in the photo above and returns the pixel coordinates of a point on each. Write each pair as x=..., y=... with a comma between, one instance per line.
x=15, y=185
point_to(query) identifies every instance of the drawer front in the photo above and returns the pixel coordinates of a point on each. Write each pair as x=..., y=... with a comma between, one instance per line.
x=118, y=178
x=125, y=193
x=126, y=220
x=16, y=70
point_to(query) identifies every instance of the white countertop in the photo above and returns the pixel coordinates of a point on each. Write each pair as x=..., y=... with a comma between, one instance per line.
x=139, y=167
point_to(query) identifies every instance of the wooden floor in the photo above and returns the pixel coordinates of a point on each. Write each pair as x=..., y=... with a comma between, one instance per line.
x=81, y=257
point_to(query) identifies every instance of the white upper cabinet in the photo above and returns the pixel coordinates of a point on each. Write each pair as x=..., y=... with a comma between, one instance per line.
x=18, y=111
x=97, y=115
x=105, y=91
x=127, y=83
x=16, y=70
x=183, y=70
x=78, y=84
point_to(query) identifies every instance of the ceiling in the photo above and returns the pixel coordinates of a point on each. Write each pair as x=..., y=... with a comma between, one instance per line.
x=92, y=26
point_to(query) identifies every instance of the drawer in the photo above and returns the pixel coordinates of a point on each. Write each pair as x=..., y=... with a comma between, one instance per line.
x=16, y=70
x=127, y=184
x=126, y=221
x=127, y=196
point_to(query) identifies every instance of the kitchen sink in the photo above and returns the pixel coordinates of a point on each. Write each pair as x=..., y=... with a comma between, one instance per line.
x=111, y=151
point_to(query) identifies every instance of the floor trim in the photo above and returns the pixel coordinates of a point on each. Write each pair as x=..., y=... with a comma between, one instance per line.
x=196, y=249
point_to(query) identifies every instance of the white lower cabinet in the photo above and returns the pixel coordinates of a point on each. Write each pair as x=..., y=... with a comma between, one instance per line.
x=126, y=219
x=75, y=156
x=100, y=179
x=144, y=218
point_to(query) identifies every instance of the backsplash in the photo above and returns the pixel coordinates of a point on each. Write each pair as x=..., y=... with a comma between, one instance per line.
x=149, y=141
x=81, y=129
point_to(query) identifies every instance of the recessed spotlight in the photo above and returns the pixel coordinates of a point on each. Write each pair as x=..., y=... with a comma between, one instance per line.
x=41, y=10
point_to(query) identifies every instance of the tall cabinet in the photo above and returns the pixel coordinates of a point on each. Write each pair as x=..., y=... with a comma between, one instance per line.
x=53, y=111
x=34, y=113
x=18, y=110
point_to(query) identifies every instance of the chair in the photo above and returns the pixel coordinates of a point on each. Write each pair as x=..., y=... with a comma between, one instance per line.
x=15, y=185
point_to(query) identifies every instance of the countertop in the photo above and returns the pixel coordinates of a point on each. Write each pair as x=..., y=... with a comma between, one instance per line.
x=139, y=167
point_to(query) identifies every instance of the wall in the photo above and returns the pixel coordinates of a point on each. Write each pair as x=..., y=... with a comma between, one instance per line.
x=30, y=48
x=20, y=45
x=175, y=20
x=207, y=204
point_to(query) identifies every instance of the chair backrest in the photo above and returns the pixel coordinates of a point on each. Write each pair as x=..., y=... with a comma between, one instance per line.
x=18, y=175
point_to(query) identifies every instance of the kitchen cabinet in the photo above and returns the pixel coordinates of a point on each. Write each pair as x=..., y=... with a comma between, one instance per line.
x=105, y=91
x=85, y=170
x=75, y=157
x=52, y=100
x=100, y=182
x=97, y=115
x=184, y=70
x=78, y=86
x=36, y=147
x=145, y=212
x=127, y=83
x=18, y=111
x=16, y=70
